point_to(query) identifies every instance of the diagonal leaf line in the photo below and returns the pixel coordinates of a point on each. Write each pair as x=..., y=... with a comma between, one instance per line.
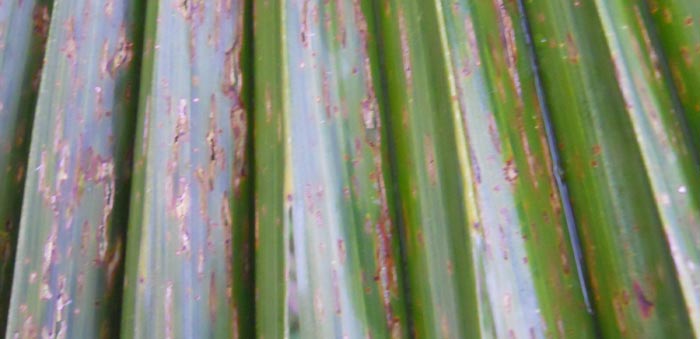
x=384, y=109
x=556, y=162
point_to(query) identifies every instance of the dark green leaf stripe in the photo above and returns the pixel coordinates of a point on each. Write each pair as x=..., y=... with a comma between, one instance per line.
x=188, y=274
x=270, y=133
x=599, y=128
x=71, y=237
x=423, y=124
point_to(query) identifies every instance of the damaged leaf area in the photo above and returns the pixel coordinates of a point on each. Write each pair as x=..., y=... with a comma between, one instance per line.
x=520, y=228
x=344, y=274
x=71, y=237
x=601, y=116
x=188, y=229
x=23, y=33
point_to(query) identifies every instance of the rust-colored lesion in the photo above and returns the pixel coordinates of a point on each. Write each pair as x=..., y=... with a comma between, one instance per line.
x=205, y=182
x=123, y=54
x=430, y=164
x=326, y=93
x=494, y=134
x=40, y=21
x=510, y=171
x=227, y=221
x=70, y=47
x=620, y=302
x=384, y=255
x=341, y=34
x=572, y=49
x=475, y=58
x=650, y=49
x=304, y=33
x=507, y=33
x=233, y=75
x=405, y=52
x=182, y=211
x=212, y=300
x=688, y=21
x=645, y=305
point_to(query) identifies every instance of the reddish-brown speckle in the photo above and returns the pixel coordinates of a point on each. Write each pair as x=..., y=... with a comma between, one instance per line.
x=644, y=304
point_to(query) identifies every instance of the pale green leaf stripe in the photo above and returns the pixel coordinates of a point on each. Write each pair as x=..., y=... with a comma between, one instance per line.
x=24, y=27
x=186, y=275
x=270, y=164
x=431, y=190
x=345, y=280
x=340, y=244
